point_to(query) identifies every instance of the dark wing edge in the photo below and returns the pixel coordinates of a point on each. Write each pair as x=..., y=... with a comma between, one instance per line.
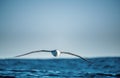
x=32, y=52
x=77, y=56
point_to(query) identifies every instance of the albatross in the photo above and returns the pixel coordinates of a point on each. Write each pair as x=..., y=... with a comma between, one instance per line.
x=54, y=53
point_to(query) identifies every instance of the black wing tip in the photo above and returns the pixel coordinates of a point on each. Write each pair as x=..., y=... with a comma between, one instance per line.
x=17, y=56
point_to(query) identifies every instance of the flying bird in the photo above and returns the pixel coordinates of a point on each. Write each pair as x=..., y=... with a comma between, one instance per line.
x=54, y=53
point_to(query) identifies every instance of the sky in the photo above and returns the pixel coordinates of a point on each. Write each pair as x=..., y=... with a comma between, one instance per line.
x=90, y=28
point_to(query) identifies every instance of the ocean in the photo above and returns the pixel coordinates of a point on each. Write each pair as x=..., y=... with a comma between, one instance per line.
x=105, y=67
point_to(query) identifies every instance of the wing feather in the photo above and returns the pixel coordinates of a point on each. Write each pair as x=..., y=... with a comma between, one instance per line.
x=33, y=52
x=76, y=56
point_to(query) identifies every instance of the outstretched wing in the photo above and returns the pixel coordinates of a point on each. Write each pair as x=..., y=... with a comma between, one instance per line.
x=33, y=52
x=76, y=56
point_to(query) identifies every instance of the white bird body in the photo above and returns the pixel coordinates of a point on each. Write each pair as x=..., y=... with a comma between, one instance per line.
x=56, y=53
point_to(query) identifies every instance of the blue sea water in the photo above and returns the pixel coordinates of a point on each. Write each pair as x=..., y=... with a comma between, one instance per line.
x=107, y=67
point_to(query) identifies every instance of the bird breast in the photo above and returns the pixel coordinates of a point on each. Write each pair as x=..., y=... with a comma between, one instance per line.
x=58, y=52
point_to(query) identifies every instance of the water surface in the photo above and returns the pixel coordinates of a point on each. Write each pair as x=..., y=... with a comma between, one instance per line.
x=107, y=67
